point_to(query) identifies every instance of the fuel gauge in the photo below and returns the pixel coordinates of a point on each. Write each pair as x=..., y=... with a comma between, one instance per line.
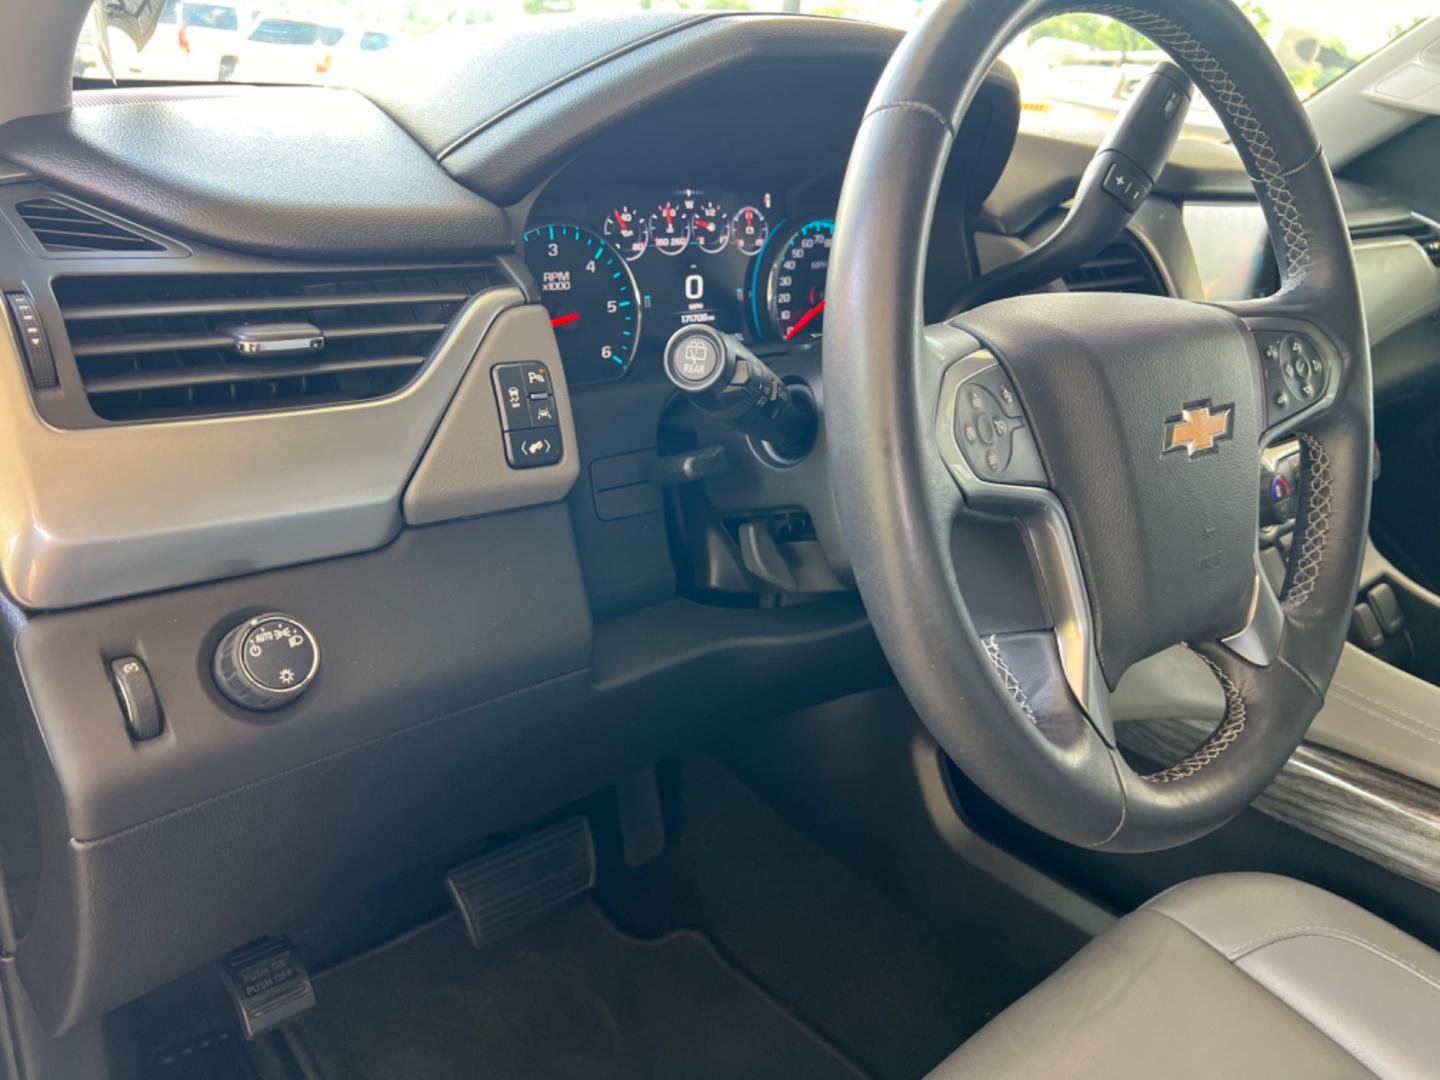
x=710, y=226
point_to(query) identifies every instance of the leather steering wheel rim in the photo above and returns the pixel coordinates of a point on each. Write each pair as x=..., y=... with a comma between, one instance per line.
x=1016, y=712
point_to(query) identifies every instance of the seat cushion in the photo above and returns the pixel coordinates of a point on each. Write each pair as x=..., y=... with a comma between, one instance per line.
x=1235, y=975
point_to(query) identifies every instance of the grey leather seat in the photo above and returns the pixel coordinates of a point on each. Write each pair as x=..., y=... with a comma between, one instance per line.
x=1231, y=976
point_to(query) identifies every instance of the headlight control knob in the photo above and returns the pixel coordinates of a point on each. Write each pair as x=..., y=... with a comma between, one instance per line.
x=266, y=662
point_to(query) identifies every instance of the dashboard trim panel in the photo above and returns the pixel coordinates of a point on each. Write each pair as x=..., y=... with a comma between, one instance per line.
x=105, y=512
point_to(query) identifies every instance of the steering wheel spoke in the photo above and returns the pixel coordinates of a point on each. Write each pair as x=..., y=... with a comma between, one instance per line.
x=1258, y=641
x=987, y=444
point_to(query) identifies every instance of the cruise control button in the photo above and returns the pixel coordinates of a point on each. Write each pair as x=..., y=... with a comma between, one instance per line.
x=533, y=448
x=997, y=384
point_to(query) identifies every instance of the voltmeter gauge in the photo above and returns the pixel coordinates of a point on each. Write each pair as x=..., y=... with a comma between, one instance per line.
x=749, y=230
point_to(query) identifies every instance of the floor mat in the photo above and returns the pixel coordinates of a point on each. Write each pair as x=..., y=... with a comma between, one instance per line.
x=570, y=997
x=892, y=990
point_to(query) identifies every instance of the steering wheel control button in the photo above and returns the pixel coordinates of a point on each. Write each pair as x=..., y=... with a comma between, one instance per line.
x=991, y=433
x=1127, y=184
x=997, y=383
x=138, y=700
x=530, y=449
x=1296, y=372
x=267, y=662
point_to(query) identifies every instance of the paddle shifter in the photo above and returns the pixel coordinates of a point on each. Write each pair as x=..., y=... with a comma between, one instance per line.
x=727, y=381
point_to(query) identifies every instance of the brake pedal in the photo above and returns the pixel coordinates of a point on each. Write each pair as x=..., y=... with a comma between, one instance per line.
x=268, y=984
x=504, y=890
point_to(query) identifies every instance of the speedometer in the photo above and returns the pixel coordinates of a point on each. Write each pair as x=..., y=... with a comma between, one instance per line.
x=796, y=288
x=591, y=296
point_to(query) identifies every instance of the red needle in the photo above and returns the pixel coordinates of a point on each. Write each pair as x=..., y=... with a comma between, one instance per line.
x=704, y=224
x=669, y=214
x=620, y=220
x=565, y=320
x=805, y=320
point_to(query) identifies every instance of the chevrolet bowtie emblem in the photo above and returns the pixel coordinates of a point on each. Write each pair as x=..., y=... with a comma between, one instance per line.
x=1199, y=428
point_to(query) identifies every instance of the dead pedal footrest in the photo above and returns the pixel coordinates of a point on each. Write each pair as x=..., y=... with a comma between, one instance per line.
x=502, y=891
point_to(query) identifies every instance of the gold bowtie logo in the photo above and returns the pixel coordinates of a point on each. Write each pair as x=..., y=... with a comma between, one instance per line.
x=1199, y=428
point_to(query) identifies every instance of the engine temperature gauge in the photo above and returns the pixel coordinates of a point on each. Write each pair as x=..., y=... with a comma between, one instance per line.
x=628, y=231
x=670, y=229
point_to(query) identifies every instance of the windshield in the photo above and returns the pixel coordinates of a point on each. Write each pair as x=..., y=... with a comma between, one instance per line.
x=1075, y=70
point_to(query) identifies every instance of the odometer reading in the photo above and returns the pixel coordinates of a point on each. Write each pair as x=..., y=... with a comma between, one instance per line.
x=797, y=281
x=591, y=296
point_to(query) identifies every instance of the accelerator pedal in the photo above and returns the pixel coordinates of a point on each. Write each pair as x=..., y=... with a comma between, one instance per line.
x=504, y=890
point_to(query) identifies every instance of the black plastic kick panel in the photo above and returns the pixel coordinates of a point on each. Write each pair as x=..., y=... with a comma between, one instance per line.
x=452, y=656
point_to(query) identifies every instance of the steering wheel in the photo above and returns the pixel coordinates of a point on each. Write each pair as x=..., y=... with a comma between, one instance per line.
x=1122, y=434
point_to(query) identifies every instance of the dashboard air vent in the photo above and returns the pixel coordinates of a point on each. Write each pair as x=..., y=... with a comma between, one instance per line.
x=63, y=228
x=1124, y=267
x=151, y=347
x=1424, y=232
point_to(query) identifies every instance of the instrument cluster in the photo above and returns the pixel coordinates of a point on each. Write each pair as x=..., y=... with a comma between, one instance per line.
x=633, y=266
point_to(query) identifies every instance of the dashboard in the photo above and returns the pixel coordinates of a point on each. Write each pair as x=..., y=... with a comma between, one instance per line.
x=498, y=640
x=628, y=266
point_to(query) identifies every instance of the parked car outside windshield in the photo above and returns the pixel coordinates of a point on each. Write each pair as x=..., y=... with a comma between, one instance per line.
x=1076, y=71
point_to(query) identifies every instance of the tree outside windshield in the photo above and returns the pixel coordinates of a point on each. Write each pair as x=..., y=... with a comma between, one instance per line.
x=1075, y=70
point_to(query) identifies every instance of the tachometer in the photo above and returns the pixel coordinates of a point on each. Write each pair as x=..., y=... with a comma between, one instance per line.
x=591, y=296
x=796, y=288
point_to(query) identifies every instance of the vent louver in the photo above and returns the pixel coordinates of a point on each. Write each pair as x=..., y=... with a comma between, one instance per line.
x=1123, y=266
x=62, y=228
x=1423, y=232
x=152, y=347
